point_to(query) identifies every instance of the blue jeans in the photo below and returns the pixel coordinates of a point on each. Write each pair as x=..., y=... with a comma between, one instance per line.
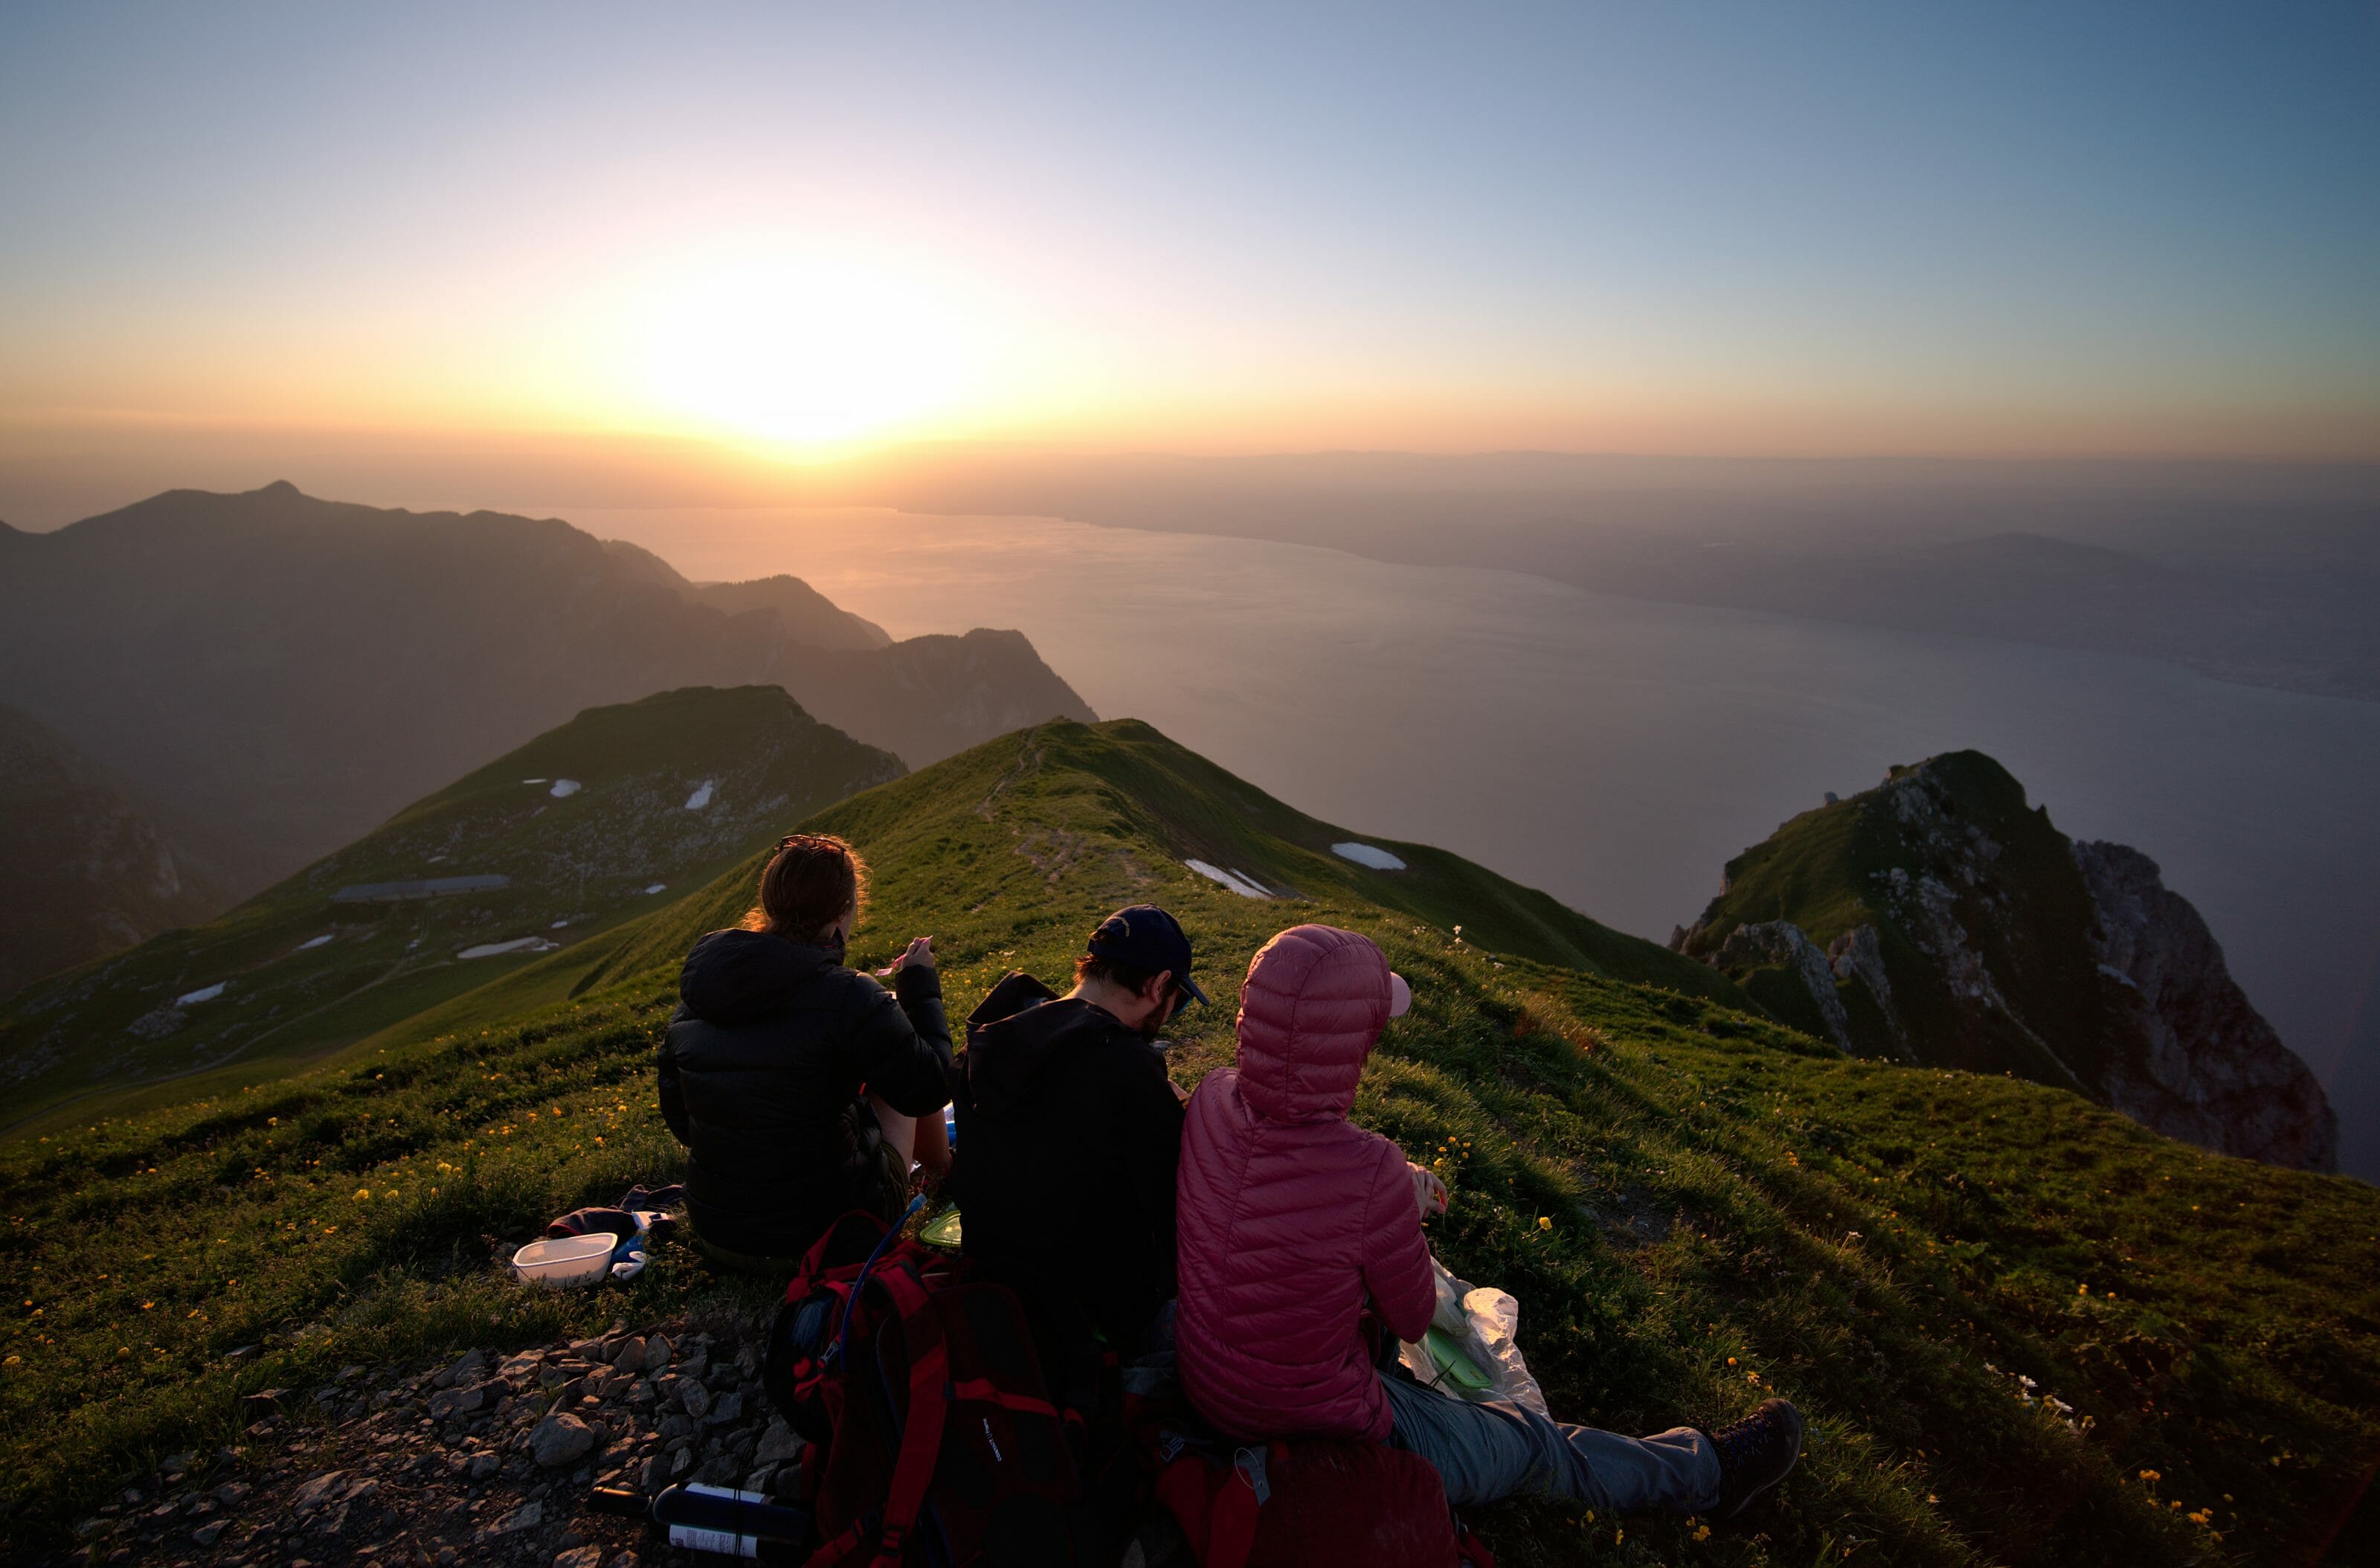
x=1491, y=1450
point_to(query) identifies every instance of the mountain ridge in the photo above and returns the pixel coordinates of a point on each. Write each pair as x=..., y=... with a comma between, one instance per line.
x=290, y=671
x=1938, y=919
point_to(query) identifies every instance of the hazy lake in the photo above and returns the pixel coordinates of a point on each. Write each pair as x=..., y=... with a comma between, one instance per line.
x=1616, y=753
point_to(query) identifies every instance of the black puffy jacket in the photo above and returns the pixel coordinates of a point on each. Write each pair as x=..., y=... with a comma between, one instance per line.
x=1068, y=1140
x=773, y=1042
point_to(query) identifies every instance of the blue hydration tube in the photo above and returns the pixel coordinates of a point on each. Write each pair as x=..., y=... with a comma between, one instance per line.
x=843, y=1334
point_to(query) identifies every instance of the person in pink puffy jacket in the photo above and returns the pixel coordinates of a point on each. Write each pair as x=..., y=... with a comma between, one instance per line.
x=1293, y=1219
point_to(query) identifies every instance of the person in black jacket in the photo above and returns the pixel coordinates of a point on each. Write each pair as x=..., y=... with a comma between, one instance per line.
x=801, y=1088
x=1069, y=1131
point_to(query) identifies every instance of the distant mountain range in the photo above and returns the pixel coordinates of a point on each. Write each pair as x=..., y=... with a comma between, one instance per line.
x=280, y=672
x=1936, y=920
x=612, y=815
x=84, y=870
x=2263, y=575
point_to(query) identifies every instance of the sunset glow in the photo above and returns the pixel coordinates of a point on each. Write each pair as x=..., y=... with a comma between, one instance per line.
x=799, y=235
x=803, y=351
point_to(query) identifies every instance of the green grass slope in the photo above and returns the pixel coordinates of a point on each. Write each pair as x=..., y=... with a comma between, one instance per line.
x=2025, y=1329
x=303, y=972
x=1066, y=791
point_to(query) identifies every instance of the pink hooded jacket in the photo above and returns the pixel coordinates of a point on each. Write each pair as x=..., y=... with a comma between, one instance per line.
x=1289, y=1214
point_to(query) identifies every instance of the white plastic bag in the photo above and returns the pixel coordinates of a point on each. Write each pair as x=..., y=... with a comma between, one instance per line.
x=1480, y=1322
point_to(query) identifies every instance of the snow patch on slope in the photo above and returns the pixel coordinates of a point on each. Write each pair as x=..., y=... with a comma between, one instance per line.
x=1238, y=881
x=518, y=944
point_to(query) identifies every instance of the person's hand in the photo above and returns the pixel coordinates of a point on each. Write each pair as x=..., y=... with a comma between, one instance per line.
x=920, y=956
x=1181, y=1094
x=1429, y=1192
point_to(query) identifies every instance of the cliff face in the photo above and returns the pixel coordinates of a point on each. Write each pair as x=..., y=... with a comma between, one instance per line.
x=1936, y=919
x=2214, y=1070
x=83, y=871
x=915, y=697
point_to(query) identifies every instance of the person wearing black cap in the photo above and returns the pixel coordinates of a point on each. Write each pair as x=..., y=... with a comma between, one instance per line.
x=1069, y=1131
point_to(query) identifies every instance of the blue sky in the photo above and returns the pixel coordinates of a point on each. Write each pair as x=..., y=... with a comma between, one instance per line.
x=1682, y=227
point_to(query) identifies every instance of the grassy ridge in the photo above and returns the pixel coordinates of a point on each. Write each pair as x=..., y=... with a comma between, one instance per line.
x=1121, y=799
x=304, y=974
x=1695, y=1206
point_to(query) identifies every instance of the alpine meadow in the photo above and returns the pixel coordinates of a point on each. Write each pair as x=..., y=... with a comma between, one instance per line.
x=2021, y=1326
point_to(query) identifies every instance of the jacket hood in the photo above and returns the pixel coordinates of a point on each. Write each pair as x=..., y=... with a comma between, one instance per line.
x=736, y=977
x=1314, y=1003
x=1022, y=1027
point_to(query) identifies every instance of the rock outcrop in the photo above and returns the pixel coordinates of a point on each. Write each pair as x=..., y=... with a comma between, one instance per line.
x=2215, y=1071
x=1938, y=919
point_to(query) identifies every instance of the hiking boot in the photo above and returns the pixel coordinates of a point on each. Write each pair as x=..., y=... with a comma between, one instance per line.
x=1754, y=1454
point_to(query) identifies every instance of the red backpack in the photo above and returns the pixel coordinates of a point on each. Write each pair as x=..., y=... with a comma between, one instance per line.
x=1317, y=1502
x=933, y=1438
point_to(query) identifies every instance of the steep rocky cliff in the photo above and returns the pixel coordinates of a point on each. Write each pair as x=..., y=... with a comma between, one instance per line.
x=1936, y=919
x=83, y=870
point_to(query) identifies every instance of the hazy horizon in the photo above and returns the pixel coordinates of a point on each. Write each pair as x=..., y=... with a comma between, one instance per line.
x=1616, y=753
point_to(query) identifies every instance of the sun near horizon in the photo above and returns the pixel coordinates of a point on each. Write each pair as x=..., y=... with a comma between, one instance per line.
x=795, y=238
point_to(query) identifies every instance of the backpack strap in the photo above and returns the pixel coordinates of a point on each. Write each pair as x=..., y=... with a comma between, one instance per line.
x=921, y=1428
x=986, y=1392
x=1471, y=1547
x=843, y=1546
x=1214, y=1505
x=1231, y=1522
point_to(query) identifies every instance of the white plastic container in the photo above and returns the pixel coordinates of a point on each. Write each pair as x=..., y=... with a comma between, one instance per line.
x=566, y=1260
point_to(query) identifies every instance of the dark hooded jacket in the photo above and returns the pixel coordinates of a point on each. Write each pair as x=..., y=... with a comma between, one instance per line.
x=773, y=1043
x=1068, y=1136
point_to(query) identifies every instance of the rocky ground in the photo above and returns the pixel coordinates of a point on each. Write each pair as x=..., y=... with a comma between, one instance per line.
x=486, y=1458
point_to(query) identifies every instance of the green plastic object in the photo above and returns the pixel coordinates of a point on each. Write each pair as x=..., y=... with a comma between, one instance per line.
x=942, y=1230
x=1454, y=1365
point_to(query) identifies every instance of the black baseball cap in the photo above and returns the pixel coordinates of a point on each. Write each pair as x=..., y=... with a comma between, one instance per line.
x=1147, y=937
